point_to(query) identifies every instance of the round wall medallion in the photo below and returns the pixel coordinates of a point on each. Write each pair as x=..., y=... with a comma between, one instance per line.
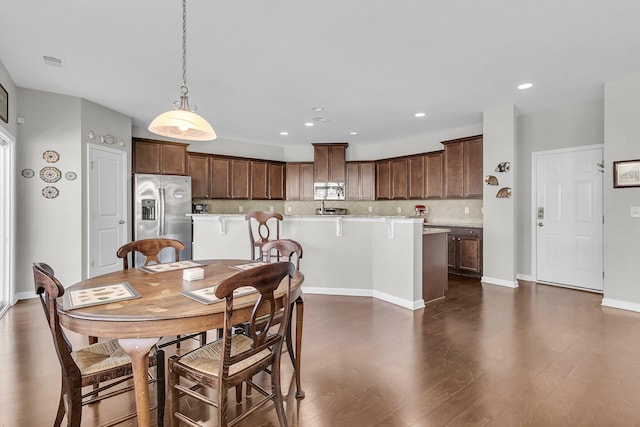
x=51, y=156
x=50, y=174
x=28, y=173
x=50, y=192
x=70, y=176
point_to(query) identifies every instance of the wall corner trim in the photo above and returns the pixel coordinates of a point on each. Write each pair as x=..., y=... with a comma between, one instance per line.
x=623, y=305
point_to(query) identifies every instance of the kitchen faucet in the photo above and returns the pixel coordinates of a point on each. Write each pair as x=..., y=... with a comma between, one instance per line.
x=322, y=207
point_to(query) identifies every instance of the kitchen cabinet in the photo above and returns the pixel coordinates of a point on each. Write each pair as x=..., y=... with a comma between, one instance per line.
x=159, y=157
x=299, y=180
x=329, y=162
x=199, y=170
x=434, y=175
x=220, y=179
x=416, y=177
x=360, y=181
x=391, y=179
x=240, y=178
x=465, y=251
x=463, y=167
x=276, y=181
x=383, y=180
x=259, y=180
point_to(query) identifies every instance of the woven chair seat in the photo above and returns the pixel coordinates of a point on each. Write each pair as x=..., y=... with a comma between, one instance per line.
x=207, y=358
x=99, y=357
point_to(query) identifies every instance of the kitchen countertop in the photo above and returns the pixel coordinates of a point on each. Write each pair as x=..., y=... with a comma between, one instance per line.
x=433, y=230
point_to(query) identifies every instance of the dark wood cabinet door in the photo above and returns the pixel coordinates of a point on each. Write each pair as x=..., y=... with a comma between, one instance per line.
x=433, y=174
x=337, y=157
x=146, y=157
x=240, y=178
x=473, y=176
x=173, y=159
x=306, y=181
x=383, y=180
x=321, y=163
x=353, y=181
x=220, y=178
x=293, y=181
x=469, y=255
x=259, y=180
x=276, y=181
x=198, y=169
x=452, y=244
x=399, y=181
x=453, y=169
x=416, y=177
x=367, y=181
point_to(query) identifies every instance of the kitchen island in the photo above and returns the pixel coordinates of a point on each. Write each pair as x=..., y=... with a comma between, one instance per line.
x=377, y=256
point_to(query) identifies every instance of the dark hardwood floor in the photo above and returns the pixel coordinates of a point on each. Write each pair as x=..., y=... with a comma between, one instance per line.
x=485, y=356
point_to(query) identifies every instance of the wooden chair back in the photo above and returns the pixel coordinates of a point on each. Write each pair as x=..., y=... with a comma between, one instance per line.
x=265, y=279
x=150, y=248
x=263, y=227
x=285, y=250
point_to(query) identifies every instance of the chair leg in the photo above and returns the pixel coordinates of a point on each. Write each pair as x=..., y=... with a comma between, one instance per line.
x=299, y=316
x=74, y=407
x=223, y=409
x=277, y=391
x=203, y=338
x=174, y=395
x=160, y=386
x=239, y=393
x=178, y=343
x=61, y=410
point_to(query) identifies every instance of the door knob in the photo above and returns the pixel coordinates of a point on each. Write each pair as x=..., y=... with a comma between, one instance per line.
x=540, y=224
x=121, y=221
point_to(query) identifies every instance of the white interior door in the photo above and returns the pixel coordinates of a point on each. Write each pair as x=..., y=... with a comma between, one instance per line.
x=7, y=223
x=107, y=208
x=569, y=217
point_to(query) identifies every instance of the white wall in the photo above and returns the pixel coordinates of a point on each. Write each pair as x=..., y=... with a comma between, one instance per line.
x=567, y=126
x=621, y=233
x=499, y=230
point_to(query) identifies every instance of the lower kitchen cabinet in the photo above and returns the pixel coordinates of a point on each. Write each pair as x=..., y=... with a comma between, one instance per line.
x=465, y=251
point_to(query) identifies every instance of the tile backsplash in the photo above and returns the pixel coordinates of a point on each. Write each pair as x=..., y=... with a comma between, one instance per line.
x=440, y=211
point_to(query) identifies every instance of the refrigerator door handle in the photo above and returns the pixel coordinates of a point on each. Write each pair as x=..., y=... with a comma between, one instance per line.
x=161, y=216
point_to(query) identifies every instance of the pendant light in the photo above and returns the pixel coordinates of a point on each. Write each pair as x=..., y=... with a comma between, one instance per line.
x=183, y=122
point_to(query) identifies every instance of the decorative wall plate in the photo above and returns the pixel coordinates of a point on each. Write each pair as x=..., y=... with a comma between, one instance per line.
x=70, y=176
x=28, y=173
x=50, y=174
x=51, y=156
x=50, y=192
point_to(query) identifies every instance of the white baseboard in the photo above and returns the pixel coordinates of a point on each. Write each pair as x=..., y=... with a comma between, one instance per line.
x=24, y=295
x=499, y=282
x=623, y=305
x=411, y=305
x=525, y=277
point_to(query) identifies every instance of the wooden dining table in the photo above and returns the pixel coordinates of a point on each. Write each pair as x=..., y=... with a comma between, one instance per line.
x=162, y=310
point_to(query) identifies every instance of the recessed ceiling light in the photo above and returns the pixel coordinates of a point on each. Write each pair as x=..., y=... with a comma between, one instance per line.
x=525, y=86
x=284, y=133
x=419, y=114
x=353, y=133
x=308, y=124
x=318, y=108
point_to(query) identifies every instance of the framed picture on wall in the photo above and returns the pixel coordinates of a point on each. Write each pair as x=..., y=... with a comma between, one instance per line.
x=4, y=104
x=626, y=173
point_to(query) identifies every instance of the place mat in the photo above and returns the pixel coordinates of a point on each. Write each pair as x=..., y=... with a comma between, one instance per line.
x=208, y=295
x=249, y=266
x=103, y=294
x=170, y=266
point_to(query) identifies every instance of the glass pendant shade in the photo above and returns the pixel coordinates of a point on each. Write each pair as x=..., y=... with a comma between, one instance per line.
x=182, y=124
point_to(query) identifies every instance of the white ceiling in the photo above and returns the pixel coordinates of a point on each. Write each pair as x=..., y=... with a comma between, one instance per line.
x=257, y=67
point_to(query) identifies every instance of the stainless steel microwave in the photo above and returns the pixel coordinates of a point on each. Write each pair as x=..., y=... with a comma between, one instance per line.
x=328, y=191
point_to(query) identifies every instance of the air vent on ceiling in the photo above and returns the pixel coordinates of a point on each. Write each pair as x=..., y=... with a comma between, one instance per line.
x=319, y=119
x=52, y=60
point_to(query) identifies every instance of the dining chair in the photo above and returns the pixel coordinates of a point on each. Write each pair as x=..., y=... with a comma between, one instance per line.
x=236, y=358
x=104, y=363
x=262, y=224
x=150, y=248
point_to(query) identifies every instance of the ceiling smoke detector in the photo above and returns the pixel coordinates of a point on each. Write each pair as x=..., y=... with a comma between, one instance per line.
x=53, y=61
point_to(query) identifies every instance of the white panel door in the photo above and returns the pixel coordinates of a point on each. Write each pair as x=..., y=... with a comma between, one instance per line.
x=569, y=218
x=107, y=210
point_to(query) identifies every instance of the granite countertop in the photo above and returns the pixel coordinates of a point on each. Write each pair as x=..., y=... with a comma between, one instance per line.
x=433, y=230
x=453, y=224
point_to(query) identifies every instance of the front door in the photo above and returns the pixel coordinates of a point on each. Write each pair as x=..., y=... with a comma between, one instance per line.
x=107, y=208
x=568, y=217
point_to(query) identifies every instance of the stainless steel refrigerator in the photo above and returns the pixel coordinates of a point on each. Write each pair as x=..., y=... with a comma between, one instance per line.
x=161, y=205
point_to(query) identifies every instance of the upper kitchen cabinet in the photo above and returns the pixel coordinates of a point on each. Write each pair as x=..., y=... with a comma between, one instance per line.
x=299, y=177
x=329, y=162
x=434, y=175
x=360, y=181
x=240, y=178
x=276, y=181
x=383, y=179
x=392, y=179
x=463, y=167
x=199, y=170
x=267, y=180
x=220, y=180
x=416, y=179
x=159, y=157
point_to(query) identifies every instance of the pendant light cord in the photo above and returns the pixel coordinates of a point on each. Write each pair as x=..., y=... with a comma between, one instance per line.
x=184, y=48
